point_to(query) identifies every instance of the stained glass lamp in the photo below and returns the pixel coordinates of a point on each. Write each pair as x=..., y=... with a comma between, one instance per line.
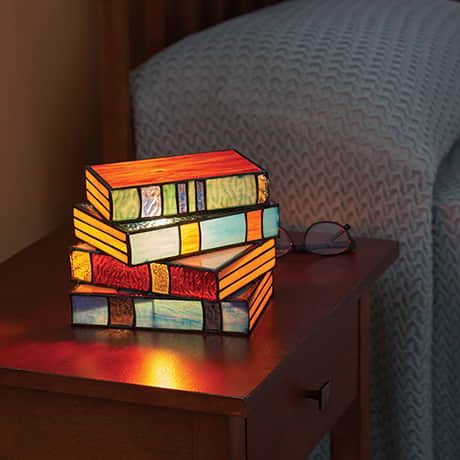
x=182, y=242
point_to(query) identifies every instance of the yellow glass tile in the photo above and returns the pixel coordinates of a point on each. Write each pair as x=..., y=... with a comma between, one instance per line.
x=98, y=224
x=99, y=207
x=89, y=289
x=84, y=246
x=261, y=307
x=160, y=278
x=100, y=235
x=247, y=257
x=80, y=264
x=102, y=246
x=247, y=268
x=91, y=178
x=262, y=185
x=260, y=300
x=97, y=194
x=254, y=225
x=262, y=287
x=246, y=279
x=189, y=238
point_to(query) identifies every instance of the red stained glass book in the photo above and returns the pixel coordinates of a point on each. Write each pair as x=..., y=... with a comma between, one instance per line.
x=106, y=307
x=210, y=276
x=175, y=185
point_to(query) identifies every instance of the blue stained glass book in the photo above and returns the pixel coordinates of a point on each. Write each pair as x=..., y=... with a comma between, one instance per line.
x=106, y=307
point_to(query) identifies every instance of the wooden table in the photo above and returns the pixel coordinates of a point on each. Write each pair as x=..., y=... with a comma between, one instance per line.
x=80, y=393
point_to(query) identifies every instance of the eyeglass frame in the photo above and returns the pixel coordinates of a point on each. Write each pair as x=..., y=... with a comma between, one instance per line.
x=301, y=247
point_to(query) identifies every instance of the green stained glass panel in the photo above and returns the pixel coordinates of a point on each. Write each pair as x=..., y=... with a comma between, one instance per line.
x=169, y=199
x=126, y=204
x=229, y=192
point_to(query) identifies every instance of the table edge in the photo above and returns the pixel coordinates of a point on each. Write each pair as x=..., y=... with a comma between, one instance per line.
x=354, y=294
x=124, y=392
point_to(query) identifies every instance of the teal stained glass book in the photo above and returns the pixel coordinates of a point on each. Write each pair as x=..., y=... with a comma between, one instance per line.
x=167, y=237
x=106, y=307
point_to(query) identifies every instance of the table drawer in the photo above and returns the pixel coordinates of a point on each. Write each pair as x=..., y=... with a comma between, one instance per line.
x=283, y=423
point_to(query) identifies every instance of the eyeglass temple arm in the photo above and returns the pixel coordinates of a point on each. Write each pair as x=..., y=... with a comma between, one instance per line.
x=324, y=245
x=331, y=243
x=343, y=229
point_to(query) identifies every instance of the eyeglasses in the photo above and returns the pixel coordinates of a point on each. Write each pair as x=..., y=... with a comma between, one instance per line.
x=324, y=238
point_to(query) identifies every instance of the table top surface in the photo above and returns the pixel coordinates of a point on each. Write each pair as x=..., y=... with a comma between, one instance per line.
x=40, y=350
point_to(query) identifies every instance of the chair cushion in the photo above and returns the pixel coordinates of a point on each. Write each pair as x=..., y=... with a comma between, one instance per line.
x=351, y=105
x=446, y=312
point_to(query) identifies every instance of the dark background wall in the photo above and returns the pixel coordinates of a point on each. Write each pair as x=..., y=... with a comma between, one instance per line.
x=48, y=115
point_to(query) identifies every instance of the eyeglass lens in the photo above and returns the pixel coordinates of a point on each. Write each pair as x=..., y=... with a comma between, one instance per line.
x=327, y=238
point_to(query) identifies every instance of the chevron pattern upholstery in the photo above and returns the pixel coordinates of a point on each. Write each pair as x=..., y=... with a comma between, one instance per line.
x=352, y=105
x=446, y=312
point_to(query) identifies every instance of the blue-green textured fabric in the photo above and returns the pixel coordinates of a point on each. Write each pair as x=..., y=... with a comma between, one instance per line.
x=446, y=313
x=351, y=105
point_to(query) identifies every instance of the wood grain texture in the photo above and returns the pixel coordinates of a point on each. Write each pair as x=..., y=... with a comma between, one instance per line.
x=183, y=18
x=351, y=436
x=133, y=31
x=210, y=435
x=71, y=427
x=156, y=27
x=237, y=438
x=216, y=11
x=114, y=55
x=291, y=419
x=49, y=114
x=242, y=6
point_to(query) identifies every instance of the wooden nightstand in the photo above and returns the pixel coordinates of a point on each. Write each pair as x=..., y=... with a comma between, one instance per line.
x=79, y=393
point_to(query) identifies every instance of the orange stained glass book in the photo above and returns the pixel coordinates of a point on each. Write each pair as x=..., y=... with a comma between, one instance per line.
x=175, y=185
x=210, y=276
x=105, y=307
x=164, y=238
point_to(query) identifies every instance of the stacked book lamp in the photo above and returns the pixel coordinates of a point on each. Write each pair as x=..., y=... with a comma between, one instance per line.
x=178, y=243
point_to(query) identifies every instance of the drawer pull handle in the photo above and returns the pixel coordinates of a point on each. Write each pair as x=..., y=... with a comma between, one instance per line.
x=322, y=395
